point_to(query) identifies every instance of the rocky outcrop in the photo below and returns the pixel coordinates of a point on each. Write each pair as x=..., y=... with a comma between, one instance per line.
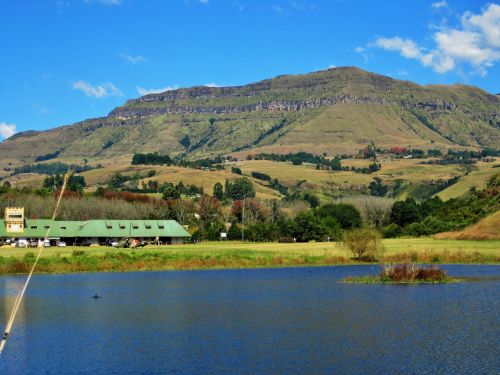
x=271, y=106
x=167, y=105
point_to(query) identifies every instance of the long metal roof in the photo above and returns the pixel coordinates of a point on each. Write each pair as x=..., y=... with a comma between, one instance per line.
x=98, y=228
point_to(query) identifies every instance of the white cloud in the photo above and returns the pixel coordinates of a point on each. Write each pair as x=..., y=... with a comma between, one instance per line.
x=212, y=84
x=476, y=43
x=105, y=2
x=488, y=24
x=7, y=130
x=302, y=6
x=405, y=47
x=278, y=10
x=100, y=91
x=439, y=4
x=144, y=91
x=132, y=59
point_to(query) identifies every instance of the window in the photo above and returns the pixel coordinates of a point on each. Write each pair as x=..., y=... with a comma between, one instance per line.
x=148, y=226
x=63, y=227
x=34, y=227
x=135, y=226
x=47, y=227
x=122, y=226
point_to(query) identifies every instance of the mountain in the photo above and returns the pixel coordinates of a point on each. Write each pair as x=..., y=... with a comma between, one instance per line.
x=334, y=111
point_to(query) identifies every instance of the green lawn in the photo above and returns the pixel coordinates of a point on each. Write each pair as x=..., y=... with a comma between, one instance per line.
x=424, y=245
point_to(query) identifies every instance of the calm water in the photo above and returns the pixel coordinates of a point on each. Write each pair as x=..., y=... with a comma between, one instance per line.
x=284, y=321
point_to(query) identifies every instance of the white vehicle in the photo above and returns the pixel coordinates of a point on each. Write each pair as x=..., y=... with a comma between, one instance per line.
x=46, y=243
x=22, y=243
x=61, y=244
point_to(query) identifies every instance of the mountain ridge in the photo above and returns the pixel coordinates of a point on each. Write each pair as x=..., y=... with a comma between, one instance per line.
x=334, y=111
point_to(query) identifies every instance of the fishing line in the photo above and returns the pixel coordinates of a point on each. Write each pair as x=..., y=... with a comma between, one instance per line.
x=19, y=298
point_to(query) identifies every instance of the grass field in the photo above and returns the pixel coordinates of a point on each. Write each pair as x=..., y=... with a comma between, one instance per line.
x=241, y=255
x=324, y=183
x=477, y=179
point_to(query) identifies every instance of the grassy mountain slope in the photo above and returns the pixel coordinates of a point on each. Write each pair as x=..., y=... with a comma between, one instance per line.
x=335, y=111
x=486, y=229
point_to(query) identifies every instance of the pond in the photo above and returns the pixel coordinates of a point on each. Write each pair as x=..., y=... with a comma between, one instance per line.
x=257, y=321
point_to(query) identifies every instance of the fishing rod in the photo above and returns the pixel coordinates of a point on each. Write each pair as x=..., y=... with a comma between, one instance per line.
x=19, y=298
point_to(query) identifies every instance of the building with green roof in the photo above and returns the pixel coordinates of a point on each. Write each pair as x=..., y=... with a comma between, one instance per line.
x=94, y=232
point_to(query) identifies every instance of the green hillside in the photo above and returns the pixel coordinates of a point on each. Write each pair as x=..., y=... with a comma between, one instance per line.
x=334, y=111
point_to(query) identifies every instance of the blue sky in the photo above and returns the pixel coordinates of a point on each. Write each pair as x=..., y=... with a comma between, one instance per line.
x=64, y=61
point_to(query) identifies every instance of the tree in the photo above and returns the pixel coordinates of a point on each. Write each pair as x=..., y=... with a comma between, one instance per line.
x=254, y=211
x=234, y=232
x=336, y=164
x=331, y=228
x=214, y=229
x=236, y=170
x=170, y=193
x=312, y=200
x=239, y=189
x=116, y=181
x=366, y=244
x=377, y=188
x=431, y=205
x=99, y=192
x=218, y=191
x=405, y=212
x=261, y=176
x=76, y=183
x=307, y=227
x=346, y=215
x=153, y=185
x=209, y=210
x=181, y=208
x=275, y=212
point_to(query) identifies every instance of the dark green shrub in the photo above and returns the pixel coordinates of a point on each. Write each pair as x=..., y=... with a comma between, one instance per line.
x=345, y=214
x=391, y=231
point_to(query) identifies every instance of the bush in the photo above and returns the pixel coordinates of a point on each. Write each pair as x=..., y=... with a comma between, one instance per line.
x=234, y=232
x=365, y=244
x=416, y=230
x=391, y=231
x=214, y=230
x=432, y=225
x=406, y=273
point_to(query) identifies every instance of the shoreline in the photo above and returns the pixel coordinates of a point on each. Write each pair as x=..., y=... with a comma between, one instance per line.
x=99, y=264
x=237, y=255
x=166, y=269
